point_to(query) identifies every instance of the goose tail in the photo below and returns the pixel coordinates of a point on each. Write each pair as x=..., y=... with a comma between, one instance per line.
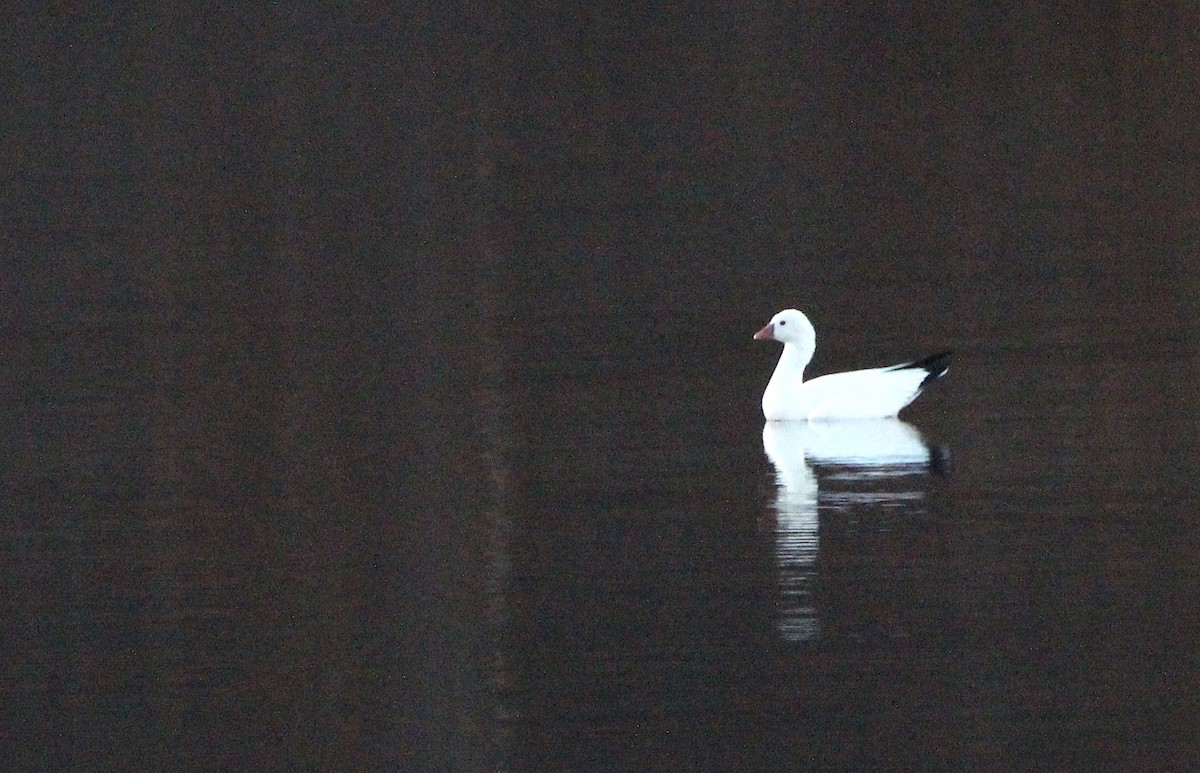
x=934, y=365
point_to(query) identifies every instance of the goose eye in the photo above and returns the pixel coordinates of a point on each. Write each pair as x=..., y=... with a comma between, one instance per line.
x=782, y=322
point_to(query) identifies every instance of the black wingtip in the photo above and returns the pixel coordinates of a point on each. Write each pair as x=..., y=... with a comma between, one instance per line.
x=935, y=365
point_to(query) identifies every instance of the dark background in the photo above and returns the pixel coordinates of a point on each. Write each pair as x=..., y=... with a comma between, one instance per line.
x=346, y=354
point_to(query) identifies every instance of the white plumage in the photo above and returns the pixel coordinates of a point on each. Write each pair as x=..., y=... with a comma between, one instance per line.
x=859, y=394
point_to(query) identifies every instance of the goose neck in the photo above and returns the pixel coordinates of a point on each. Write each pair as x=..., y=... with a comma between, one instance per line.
x=795, y=359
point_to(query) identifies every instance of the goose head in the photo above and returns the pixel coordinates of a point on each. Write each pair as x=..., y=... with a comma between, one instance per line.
x=789, y=327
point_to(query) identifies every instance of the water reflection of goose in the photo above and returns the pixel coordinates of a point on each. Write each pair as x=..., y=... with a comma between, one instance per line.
x=846, y=454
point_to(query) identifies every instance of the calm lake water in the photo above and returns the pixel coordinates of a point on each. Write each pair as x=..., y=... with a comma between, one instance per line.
x=1007, y=582
x=379, y=392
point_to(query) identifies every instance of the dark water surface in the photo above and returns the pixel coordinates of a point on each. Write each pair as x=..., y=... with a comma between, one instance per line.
x=379, y=391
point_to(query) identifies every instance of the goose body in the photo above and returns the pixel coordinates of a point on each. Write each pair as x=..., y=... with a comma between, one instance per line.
x=858, y=394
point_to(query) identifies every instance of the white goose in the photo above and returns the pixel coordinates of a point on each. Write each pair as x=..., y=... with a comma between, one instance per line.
x=857, y=394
